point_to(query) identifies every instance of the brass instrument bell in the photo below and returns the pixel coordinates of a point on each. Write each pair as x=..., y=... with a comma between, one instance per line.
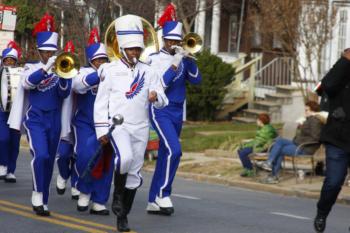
x=150, y=41
x=192, y=43
x=67, y=65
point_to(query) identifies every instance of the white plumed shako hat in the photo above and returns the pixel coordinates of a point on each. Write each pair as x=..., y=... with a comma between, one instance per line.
x=129, y=31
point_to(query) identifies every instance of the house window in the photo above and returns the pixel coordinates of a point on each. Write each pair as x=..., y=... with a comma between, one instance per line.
x=343, y=21
x=256, y=35
x=276, y=43
x=233, y=31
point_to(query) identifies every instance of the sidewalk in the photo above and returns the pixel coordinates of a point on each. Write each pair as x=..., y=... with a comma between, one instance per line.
x=219, y=167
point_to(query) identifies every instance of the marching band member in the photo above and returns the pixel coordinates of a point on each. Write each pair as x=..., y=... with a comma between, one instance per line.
x=9, y=138
x=65, y=154
x=127, y=88
x=85, y=87
x=46, y=92
x=174, y=68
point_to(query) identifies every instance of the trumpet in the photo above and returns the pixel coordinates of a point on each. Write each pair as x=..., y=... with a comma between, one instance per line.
x=67, y=65
x=192, y=43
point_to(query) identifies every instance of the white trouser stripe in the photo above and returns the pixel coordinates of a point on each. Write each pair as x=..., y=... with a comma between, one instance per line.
x=169, y=156
x=76, y=139
x=32, y=149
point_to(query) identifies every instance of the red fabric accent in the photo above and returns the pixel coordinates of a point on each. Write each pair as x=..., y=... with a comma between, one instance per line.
x=94, y=37
x=14, y=45
x=69, y=47
x=169, y=14
x=108, y=158
x=97, y=171
x=46, y=24
x=104, y=162
x=152, y=145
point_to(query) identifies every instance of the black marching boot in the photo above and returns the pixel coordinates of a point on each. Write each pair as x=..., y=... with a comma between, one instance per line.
x=122, y=221
x=118, y=205
x=118, y=194
x=129, y=197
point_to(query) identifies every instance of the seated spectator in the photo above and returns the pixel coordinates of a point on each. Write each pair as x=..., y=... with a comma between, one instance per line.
x=308, y=131
x=263, y=139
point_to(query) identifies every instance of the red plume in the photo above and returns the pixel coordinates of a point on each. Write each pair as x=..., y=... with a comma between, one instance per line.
x=47, y=23
x=94, y=38
x=14, y=45
x=69, y=47
x=169, y=14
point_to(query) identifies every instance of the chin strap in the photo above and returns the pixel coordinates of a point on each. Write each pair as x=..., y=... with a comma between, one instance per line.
x=40, y=57
x=134, y=60
x=92, y=65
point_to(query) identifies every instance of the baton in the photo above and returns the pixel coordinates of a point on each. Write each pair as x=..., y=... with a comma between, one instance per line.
x=117, y=120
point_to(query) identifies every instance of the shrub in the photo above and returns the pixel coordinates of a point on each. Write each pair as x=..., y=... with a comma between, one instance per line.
x=203, y=100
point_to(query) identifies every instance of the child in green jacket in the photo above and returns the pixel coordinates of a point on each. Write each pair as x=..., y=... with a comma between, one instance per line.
x=263, y=139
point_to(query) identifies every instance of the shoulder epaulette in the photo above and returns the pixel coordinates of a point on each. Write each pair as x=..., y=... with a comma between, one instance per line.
x=144, y=63
x=153, y=54
x=32, y=62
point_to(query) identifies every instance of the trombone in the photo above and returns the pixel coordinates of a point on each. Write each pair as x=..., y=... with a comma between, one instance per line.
x=67, y=65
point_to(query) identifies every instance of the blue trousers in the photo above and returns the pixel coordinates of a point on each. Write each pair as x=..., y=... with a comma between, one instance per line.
x=9, y=144
x=43, y=132
x=337, y=162
x=85, y=147
x=280, y=148
x=66, y=162
x=168, y=124
x=243, y=156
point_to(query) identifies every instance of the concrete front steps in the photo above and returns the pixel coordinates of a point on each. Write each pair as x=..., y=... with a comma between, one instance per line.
x=232, y=104
x=285, y=105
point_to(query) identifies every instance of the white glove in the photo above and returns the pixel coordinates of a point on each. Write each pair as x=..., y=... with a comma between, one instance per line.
x=177, y=59
x=49, y=63
x=180, y=50
x=179, y=54
x=100, y=71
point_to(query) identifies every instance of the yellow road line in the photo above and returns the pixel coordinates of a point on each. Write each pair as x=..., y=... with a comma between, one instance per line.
x=51, y=220
x=61, y=216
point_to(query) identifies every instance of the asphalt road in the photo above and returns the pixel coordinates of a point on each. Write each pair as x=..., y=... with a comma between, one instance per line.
x=199, y=207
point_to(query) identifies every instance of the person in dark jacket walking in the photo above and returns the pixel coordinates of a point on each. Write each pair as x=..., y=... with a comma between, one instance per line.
x=335, y=136
x=308, y=131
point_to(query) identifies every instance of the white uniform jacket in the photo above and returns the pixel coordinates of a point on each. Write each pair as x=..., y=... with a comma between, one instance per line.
x=124, y=90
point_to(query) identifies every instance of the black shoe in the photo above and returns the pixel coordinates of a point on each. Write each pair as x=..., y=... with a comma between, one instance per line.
x=163, y=212
x=82, y=208
x=2, y=177
x=320, y=223
x=122, y=224
x=60, y=191
x=39, y=210
x=75, y=197
x=99, y=212
x=167, y=211
x=10, y=180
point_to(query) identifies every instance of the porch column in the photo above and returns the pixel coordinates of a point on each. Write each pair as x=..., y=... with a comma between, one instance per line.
x=215, y=30
x=200, y=18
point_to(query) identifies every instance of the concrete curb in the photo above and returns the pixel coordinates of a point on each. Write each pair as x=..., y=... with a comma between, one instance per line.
x=252, y=186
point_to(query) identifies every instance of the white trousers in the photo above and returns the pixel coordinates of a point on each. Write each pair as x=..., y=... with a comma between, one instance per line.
x=129, y=145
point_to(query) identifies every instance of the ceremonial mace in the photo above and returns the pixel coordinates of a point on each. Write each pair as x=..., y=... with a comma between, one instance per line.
x=116, y=120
